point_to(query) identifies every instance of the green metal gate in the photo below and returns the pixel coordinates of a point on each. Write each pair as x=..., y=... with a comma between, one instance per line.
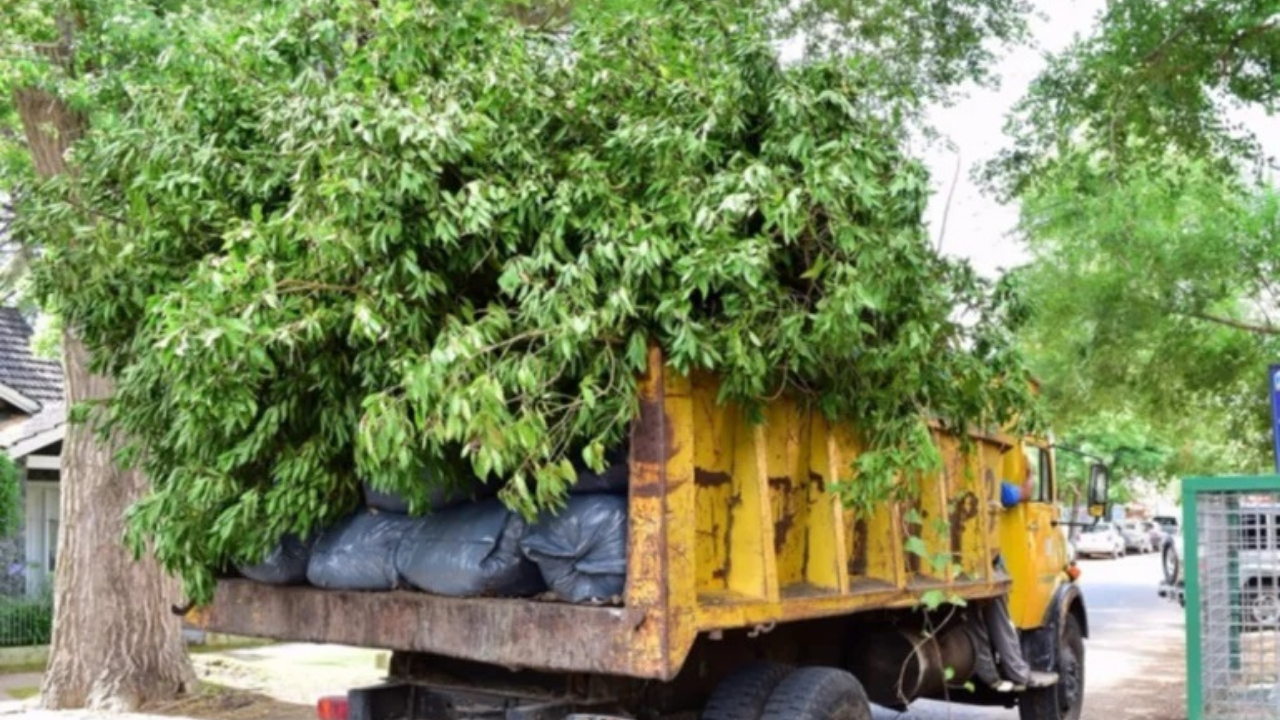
x=1231, y=551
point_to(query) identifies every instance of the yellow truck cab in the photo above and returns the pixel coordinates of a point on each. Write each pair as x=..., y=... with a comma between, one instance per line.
x=751, y=592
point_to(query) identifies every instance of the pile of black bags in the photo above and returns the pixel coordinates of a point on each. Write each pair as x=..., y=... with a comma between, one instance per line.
x=470, y=545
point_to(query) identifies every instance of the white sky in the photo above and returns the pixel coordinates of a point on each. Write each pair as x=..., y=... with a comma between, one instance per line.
x=978, y=227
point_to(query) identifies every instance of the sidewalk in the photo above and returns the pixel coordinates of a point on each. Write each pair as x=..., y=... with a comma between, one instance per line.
x=275, y=682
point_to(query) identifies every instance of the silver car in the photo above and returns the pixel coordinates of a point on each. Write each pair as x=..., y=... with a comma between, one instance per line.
x=1137, y=538
x=1101, y=539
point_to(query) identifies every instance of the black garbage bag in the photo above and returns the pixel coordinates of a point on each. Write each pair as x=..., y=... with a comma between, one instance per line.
x=582, y=551
x=466, y=551
x=439, y=497
x=286, y=564
x=614, y=479
x=358, y=553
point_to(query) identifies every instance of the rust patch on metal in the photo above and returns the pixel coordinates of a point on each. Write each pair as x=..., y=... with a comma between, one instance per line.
x=647, y=490
x=858, y=558
x=914, y=529
x=552, y=636
x=964, y=509
x=781, y=483
x=734, y=502
x=651, y=440
x=989, y=479
x=780, y=529
x=710, y=478
x=819, y=482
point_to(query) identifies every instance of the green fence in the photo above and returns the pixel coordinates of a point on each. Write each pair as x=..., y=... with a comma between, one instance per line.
x=25, y=621
x=1231, y=550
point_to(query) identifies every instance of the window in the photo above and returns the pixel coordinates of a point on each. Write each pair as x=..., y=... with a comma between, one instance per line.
x=51, y=542
x=1038, y=466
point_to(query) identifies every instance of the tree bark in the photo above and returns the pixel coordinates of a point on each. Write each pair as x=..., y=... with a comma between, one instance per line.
x=116, y=644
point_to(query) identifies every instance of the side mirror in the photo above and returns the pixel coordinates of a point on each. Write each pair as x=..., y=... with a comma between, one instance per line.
x=1099, y=485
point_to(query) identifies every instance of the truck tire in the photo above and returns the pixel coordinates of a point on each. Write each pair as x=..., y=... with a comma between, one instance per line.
x=1262, y=605
x=743, y=693
x=1065, y=700
x=818, y=693
x=1172, y=567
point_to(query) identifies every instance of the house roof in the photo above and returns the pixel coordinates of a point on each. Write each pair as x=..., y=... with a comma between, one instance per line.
x=41, y=430
x=23, y=376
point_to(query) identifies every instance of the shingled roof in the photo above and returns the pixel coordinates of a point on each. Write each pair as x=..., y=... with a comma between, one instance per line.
x=34, y=379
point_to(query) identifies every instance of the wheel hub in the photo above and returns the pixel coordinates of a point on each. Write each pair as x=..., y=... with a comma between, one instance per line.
x=1265, y=608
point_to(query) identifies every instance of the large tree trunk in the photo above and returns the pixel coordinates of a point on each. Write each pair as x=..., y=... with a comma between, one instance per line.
x=116, y=644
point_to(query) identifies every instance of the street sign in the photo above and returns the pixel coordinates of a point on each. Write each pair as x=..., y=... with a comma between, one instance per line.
x=1274, y=384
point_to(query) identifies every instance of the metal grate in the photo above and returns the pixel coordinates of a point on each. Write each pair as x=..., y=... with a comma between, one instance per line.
x=25, y=621
x=1232, y=556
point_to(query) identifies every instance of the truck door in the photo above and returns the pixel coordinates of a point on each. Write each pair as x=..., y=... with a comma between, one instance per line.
x=1034, y=549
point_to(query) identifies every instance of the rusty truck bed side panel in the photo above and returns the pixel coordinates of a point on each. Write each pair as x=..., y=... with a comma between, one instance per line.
x=732, y=524
x=510, y=633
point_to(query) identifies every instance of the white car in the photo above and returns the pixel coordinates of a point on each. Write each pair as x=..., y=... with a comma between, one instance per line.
x=1137, y=537
x=1101, y=539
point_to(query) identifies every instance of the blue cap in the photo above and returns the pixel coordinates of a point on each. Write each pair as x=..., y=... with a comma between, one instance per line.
x=1010, y=494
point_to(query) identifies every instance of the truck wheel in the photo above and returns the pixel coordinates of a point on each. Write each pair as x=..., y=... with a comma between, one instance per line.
x=818, y=693
x=1065, y=700
x=1262, y=603
x=1171, y=564
x=743, y=694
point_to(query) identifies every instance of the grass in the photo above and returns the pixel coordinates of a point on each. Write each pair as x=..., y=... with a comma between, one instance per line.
x=18, y=668
x=23, y=693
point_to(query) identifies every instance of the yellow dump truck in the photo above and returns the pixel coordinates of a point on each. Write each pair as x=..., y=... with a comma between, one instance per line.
x=751, y=593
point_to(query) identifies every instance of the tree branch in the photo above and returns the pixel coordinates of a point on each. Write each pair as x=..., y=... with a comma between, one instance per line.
x=1266, y=329
x=289, y=285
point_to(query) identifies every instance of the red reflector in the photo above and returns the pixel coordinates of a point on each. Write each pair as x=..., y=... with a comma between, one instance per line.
x=332, y=708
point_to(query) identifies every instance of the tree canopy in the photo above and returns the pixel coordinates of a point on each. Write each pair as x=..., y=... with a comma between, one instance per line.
x=1152, y=231
x=323, y=241
x=1153, y=76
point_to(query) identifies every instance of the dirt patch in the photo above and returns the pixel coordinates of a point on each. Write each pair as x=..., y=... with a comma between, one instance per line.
x=216, y=702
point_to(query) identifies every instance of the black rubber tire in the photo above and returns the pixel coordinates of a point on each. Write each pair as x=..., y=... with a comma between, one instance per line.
x=743, y=693
x=1261, y=598
x=818, y=693
x=1170, y=564
x=1064, y=701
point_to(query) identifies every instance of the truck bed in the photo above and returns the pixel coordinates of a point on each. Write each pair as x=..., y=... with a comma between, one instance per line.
x=731, y=525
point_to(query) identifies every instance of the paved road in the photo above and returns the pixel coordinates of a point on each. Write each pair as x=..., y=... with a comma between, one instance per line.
x=1129, y=628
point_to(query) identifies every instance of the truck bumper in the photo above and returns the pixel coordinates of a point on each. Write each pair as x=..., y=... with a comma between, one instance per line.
x=1173, y=592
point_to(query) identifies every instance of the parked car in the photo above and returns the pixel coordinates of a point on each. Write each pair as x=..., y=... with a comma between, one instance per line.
x=1257, y=566
x=1155, y=534
x=1136, y=537
x=1167, y=523
x=1101, y=539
